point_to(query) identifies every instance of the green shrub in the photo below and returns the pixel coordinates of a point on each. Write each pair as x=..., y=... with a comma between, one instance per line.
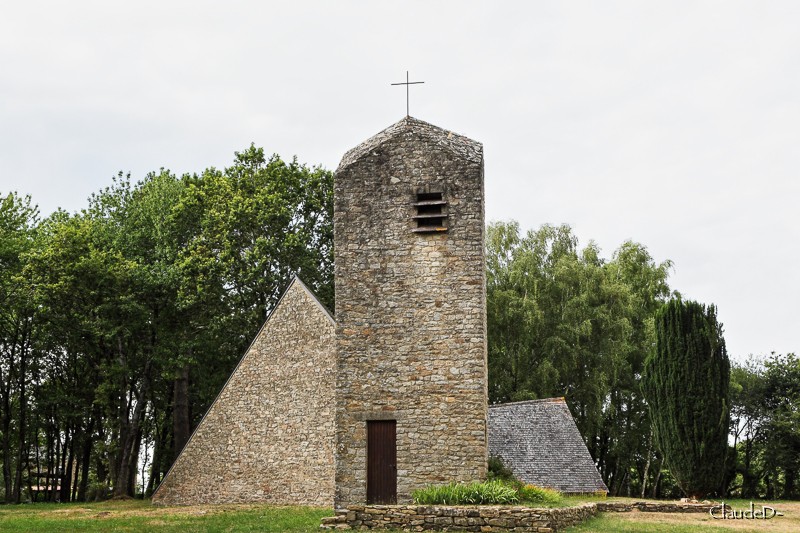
x=534, y=494
x=498, y=470
x=477, y=493
x=500, y=488
x=98, y=491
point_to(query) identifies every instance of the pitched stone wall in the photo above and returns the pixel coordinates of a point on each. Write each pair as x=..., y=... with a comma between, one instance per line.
x=410, y=309
x=540, y=442
x=269, y=434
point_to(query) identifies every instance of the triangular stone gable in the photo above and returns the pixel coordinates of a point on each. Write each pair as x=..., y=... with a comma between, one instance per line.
x=460, y=146
x=540, y=442
x=269, y=435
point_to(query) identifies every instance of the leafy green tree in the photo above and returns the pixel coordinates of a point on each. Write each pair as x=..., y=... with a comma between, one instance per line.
x=782, y=428
x=143, y=303
x=641, y=286
x=686, y=384
x=18, y=220
x=562, y=321
x=241, y=235
x=83, y=294
x=748, y=422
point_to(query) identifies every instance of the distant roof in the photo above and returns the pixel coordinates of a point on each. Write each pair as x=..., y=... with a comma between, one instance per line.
x=539, y=441
x=462, y=146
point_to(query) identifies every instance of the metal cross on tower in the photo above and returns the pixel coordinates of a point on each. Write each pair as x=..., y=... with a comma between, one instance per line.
x=407, y=83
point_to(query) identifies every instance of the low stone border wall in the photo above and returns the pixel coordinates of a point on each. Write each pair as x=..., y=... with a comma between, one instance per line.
x=653, y=507
x=462, y=518
x=490, y=518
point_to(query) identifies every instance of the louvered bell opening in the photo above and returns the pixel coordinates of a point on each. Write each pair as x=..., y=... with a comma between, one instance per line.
x=430, y=216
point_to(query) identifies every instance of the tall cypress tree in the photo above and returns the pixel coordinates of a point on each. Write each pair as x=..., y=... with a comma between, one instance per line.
x=686, y=386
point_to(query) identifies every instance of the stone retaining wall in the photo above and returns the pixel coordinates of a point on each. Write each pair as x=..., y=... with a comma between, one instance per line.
x=490, y=518
x=654, y=507
x=461, y=518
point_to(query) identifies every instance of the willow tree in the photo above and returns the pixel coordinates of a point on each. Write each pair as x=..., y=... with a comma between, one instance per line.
x=686, y=386
x=563, y=321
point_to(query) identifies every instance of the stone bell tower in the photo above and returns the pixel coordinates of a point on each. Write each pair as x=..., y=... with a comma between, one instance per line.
x=411, y=378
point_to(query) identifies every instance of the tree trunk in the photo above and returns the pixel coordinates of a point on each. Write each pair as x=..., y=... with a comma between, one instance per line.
x=22, y=450
x=181, y=422
x=66, y=476
x=126, y=460
x=7, y=480
x=75, y=479
x=788, y=485
x=100, y=464
x=154, y=469
x=37, y=454
x=748, y=483
x=86, y=457
x=133, y=469
x=657, y=480
x=619, y=479
x=770, y=494
x=647, y=465
x=159, y=449
x=53, y=472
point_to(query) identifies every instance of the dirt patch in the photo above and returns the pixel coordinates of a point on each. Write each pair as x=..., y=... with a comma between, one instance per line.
x=132, y=508
x=790, y=521
x=70, y=511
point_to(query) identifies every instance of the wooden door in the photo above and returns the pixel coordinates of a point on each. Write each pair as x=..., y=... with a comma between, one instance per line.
x=382, y=461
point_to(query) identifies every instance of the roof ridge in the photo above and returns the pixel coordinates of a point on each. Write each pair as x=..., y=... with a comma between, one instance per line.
x=559, y=399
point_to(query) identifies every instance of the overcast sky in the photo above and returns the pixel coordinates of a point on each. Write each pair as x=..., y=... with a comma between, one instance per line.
x=674, y=124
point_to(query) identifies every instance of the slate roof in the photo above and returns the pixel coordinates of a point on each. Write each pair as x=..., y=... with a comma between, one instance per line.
x=462, y=146
x=539, y=441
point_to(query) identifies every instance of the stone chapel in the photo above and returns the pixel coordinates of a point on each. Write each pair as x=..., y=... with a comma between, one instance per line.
x=390, y=395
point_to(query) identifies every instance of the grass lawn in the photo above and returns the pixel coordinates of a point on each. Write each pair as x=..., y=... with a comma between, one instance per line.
x=137, y=515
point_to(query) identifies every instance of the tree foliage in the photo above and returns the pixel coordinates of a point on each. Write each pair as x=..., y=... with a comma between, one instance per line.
x=18, y=362
x=765, y=427
x=563, y=321
x=686, y=384
x=782, y=422
x=120, y=323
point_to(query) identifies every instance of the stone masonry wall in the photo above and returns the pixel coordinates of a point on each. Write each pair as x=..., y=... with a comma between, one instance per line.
x=653, y=507
x=489, y=518
x=459, y=518
x=410, y=309
x=268, y=437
